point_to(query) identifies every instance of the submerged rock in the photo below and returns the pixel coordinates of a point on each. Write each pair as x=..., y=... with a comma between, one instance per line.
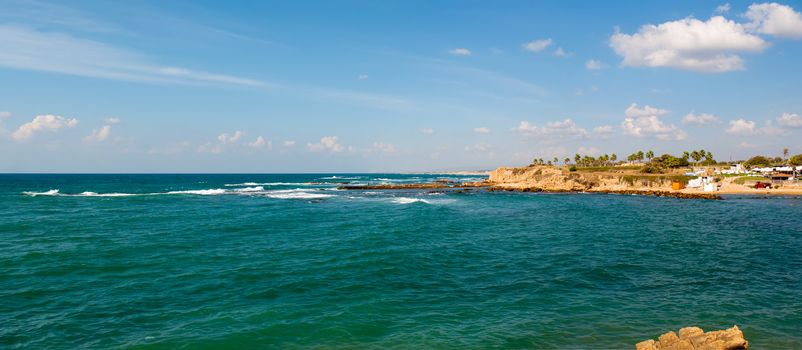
x=694, y=338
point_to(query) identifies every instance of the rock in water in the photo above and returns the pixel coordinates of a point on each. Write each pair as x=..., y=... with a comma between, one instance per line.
x=694, y=338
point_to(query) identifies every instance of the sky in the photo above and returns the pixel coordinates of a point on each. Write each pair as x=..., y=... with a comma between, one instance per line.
x=387, y=86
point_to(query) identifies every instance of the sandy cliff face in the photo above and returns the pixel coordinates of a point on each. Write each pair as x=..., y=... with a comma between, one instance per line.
x=543, y=178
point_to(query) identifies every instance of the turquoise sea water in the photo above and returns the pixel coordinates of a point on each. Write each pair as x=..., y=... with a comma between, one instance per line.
x=271, y=261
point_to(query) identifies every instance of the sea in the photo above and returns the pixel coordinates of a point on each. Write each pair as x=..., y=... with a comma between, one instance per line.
x=289, y=261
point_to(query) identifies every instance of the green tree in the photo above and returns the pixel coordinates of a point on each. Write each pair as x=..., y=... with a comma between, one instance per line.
x=785, y=152
x=613, y=157
x=650, y=155
x=685, y=155
x=696, y=156
x=577, y=158
x=757, y=161
x=566, y=160
x=795, y=160
x=639, y=156
x=555, y=160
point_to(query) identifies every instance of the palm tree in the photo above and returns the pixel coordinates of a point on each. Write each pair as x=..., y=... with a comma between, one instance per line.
x=577, y=158
x=696, y=156
x=640, y=155
x=685, y=155
x=555, y=160
x=613, y=157
x=785, y=153
x=566, y=160
x=650, y=155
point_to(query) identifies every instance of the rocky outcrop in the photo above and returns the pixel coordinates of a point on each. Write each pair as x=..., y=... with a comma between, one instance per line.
x=554, y=179
x=694, y=338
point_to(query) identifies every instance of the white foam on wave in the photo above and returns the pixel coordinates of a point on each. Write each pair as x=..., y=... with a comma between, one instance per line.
x=95, y=194
x=209, y=192
x=408, y=200
x=297, y=193
x=250, y=189
x=46, y=193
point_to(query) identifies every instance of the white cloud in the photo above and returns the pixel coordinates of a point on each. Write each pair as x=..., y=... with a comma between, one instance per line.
x=774, y=19
x=327, y=143
x=770, y=129
x=4, y=114
x=112, y=120
x=362, y=77
x=31, y=49
x=746, y=145
x=645, y=122
x=564, y=128
x=383, y=147
x=791, y=120
x=699, y=119
x=209, y=147
x=603, y=131
x=723, y=8
x=707, y=46
x=99, y=135
x=47, y=122
x=537, y=45
x=288, y=143
x=427, y=131
x=594, y=65
x=481, y=130
x=260, y=142
x=226, y=138
x=460, y=51
x=561, y=53
x=742, y=127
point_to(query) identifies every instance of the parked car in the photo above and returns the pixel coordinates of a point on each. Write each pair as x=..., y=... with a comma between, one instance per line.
x=762, y=185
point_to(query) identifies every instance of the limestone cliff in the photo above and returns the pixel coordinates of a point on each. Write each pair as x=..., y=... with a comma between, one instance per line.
x=545, y=178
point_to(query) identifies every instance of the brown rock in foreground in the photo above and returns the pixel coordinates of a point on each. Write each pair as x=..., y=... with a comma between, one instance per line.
x=694, y=338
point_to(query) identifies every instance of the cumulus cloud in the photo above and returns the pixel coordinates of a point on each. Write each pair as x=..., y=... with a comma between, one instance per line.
x=112, y=120
x=692, y=44
x=481, y=130
x=537, y=45
x=723, y=8
x=260, y=142
x=645, y=122
x=47, y=122
x=791, y=120
x=288, y=143
x=774, y=19
x=562, y=53
x=327, y=143
x=226, y=138
x=594, y=65
x=742, y=127
x=699, y=119
x=427, y=131
x=564, y=128
x=383, y=147
x=460, y=51
x=603, y=131
x=99, y=135
x=362, y=77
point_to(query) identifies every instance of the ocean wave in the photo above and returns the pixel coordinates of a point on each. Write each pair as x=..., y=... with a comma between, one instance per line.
x=209, y=192
x=250, y=189
x=341, y=178
x=46, y=193
x=408, y=200
x=296, y=194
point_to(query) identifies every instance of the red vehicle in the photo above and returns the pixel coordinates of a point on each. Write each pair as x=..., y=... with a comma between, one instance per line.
x=762, y=185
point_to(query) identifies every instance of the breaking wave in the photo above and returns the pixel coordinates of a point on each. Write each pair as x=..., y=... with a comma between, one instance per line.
x=210, y=192
x=296, y=194
x=407, y=200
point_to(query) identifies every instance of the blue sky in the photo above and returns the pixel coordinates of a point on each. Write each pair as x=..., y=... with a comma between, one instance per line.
x=352, y=86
